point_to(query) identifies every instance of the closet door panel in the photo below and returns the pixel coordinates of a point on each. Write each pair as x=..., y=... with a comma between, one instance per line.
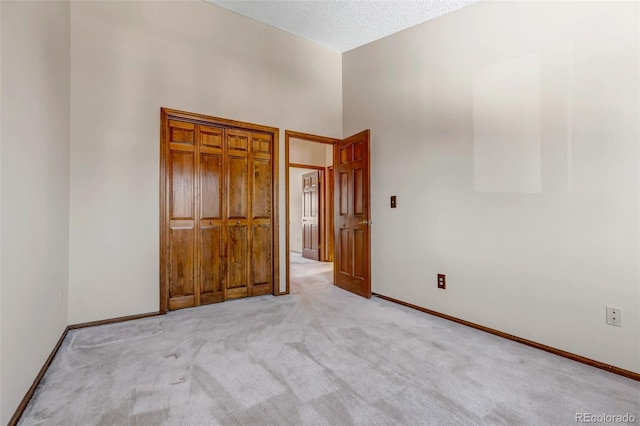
x=237, y=252
x=237, y=195
x=181, y=132
x=261, y=145
x=211, y=137
x=181, y=184
x=261, y=191
x=181, y=269
x=181, y=218
x=238, y=141
x=211, y=263
x=211, y=225
x=210, y=187
x=261, y=259
x=261, y=267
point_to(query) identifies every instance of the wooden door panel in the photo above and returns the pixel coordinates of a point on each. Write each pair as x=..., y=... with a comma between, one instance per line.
x=314, y=243
x=181, y=178
x=238, y=182
x=238, y=141
x=306, y=204
x=211, y=137
x=343, y=192
x=358, y=151
x=346, y=154
x=358, y=253
x=181, y=132
x=261, y=260
x=210, y=186
x=261, y=145
x=358, y=193
x=211, y=271
x=181, y=268
x=237, y=242
x=352, y=252
x=306, y=236
x=345, y=251
x=261, y=191
x=313, y=203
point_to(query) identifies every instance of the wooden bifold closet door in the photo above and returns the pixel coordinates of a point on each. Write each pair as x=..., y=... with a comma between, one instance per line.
x=217, y=216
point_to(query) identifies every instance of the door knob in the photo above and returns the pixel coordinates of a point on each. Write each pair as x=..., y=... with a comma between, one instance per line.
x=238, y=222
x=366, y=222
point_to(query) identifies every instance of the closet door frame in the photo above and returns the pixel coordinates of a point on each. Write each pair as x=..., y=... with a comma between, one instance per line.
x=167, y=114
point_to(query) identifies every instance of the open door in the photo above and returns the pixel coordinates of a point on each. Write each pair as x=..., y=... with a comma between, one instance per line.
x=311, y=195
x=352, y=249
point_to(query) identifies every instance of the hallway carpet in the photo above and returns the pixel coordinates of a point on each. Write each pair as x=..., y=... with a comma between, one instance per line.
x=320, y=356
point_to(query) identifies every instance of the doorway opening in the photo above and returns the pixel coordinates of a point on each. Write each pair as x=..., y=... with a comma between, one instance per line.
x=347, y=237
x=309, y=202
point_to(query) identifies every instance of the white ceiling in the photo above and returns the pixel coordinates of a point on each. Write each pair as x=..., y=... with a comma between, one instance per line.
x=342, y=24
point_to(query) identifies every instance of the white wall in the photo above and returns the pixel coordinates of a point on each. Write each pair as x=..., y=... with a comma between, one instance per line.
x=305, y=152
x=509, y=132
x=128, y=60
x=35, y=190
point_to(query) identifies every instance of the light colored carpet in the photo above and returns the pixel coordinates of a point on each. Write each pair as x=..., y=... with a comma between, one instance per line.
x=320, y=356
x=296, y=258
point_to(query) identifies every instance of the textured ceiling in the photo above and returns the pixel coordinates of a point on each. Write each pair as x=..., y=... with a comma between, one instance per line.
x=342, y=24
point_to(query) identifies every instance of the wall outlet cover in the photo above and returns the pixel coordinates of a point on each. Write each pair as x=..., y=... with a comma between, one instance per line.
x=614, y=316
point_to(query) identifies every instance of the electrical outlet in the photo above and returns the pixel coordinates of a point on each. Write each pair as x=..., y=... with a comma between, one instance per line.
x=442, y=281
x=614, y=316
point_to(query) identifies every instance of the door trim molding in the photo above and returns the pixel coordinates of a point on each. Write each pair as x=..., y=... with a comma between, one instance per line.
x=165, y=115
x=310, y=138
x=306, y=166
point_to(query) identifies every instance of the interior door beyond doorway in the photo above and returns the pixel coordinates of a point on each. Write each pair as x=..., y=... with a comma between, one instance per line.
x=352, y=241
x=311, y=220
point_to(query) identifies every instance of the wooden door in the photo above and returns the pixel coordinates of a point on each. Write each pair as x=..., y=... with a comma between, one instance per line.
x=352, y=250
x=311, y=196
x=218, y=221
